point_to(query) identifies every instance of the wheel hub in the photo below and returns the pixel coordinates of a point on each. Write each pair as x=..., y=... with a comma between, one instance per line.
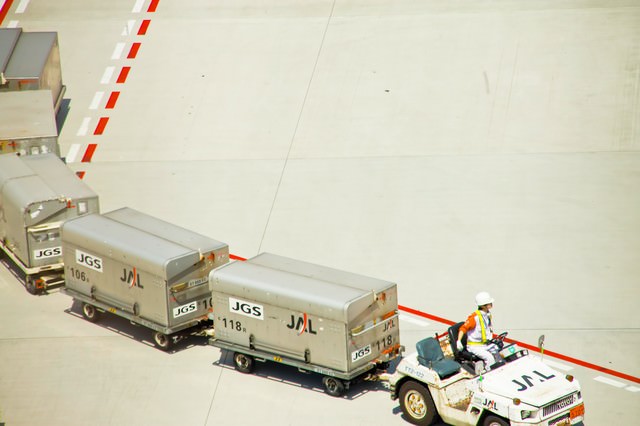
x=416, y=405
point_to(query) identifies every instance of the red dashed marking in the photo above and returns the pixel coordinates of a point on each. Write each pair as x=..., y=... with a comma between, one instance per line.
x=144, y=26
x=89, y=153
x=113, y=98
x=124, y=73
x=133, y=52
x=80, y=174
x=5, y=9
x=153, y=6
x=102, y=123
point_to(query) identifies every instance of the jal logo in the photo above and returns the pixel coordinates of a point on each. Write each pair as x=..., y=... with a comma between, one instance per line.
x=389, y=325
x=88, y=260
x=248, y=309
x=47, y=252
x=302, y=324
x=131, y=277
x=528, y=381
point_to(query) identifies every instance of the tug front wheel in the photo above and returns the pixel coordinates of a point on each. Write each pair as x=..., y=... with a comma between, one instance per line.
x=416, y=404
x=495, y=421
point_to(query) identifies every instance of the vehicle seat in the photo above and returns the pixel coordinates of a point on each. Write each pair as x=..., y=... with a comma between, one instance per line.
x=464, y=354
x=430, y=355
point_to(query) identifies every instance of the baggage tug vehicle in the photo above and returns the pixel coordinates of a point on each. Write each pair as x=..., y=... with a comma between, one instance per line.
x=440, y=381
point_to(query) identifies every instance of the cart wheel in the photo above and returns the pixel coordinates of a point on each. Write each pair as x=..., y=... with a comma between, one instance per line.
x=162, y=340
x=89, y=312
x=495, y=421
x=333, y=386
x=244, y=363
x=416, y=403
x=31, y=286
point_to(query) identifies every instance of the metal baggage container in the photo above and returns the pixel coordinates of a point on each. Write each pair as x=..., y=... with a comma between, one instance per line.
x=27, y=123
x=32, y=62
x=139, y=267
x=335, y=323
x=37, y=194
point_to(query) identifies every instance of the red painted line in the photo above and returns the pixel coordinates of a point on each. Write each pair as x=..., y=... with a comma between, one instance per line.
x=153, y=6
x=80, y=174
x=113, y=98
x=144, y=26
x=89, y=153
x=124, y=73
x=5, y=9
x=102, y=123
x=134, y=50
x=522, y=344
x=534, y=348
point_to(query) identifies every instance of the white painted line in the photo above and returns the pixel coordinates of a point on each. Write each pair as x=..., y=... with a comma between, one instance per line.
x=557, y=365
x=117, y=52
x=414, y=320
x=22, y=6
x=129, y=27
x=84, y=127
x=138, y=6
x=95, y=103
x=73, y=153
x=608, y=381
x=106, y=77
x=12, y=24
x=632, y=389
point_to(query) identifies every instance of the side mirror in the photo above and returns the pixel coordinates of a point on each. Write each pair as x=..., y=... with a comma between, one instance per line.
x=541, y=342
x=541, y=346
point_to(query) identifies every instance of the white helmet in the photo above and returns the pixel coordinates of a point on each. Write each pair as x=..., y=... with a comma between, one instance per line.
x=483, y=298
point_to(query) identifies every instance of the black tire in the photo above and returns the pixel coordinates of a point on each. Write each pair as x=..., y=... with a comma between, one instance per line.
x=495, y=421
x=243, y=362
x=89, y=312
x=30, y=285
x=417, y=404
x=162, y=341
x=333, y=386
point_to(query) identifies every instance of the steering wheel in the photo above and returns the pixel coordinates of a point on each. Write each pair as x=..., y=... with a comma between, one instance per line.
x=499, y=340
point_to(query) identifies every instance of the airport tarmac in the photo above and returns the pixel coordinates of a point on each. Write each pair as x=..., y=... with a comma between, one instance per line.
x=451, y=147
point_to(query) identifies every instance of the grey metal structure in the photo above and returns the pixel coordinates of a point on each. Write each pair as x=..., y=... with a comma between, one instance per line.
x=142, y=268
x=31, y=61
x=27, y=123
x=332, y=322
x=37, y=194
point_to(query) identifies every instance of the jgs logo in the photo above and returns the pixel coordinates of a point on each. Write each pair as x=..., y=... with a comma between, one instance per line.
x=47, y=253
x=184, y=309
x=247, y=309
x=88, y=260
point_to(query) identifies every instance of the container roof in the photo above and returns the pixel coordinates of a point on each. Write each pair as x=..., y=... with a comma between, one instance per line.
x=299, y=285
x=37, y=178
x=27, y=114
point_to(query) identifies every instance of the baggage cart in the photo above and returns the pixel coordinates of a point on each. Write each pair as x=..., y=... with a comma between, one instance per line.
x=337, y=324
x=31, y=61
x=141, y=268
x=37, y=194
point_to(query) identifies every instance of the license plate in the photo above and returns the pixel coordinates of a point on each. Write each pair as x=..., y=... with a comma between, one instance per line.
x=577, y=411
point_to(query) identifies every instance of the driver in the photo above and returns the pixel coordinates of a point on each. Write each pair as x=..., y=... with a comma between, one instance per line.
x=479, y=330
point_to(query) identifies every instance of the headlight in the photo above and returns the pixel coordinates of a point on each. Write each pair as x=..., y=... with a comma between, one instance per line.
x=528, y=414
